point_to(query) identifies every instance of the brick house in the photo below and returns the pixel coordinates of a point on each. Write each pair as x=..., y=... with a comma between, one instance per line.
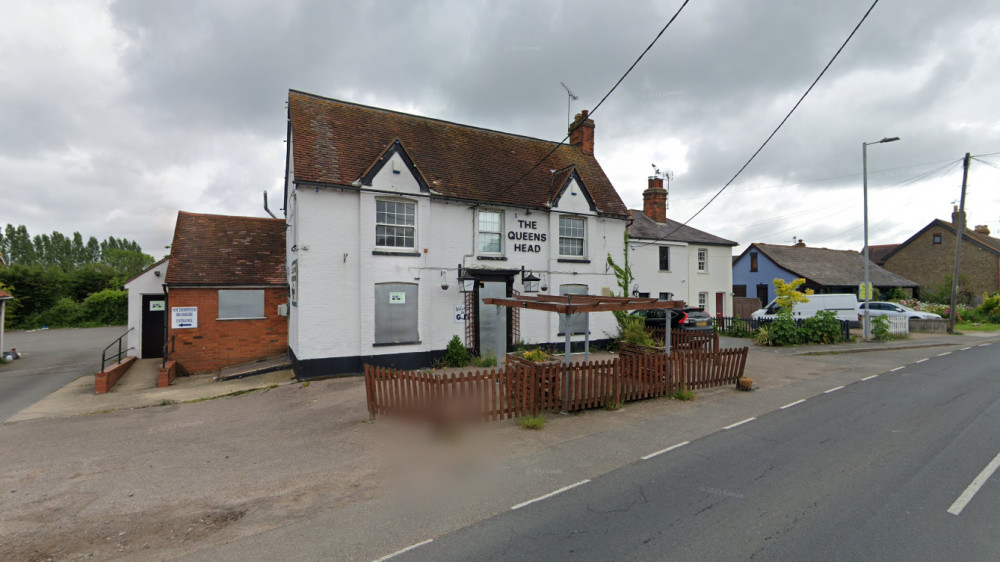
x=226, y=291
x=928, y=257
x=825, y=271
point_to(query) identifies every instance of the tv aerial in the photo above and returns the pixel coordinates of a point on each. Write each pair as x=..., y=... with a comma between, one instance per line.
x=570, y=97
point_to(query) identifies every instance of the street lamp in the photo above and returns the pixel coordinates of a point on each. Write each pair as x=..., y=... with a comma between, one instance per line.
x=867, y=328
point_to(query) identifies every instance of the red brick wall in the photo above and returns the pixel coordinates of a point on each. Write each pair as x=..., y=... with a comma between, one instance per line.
x=215, y=344
x=108, y=378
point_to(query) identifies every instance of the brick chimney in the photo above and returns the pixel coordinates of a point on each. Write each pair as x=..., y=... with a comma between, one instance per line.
x=582, y=136
x=800, y=243
x=983, y=229
x=654, y=200
x=957, y=215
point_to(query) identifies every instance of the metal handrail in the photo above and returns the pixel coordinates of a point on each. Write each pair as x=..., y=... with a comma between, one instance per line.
x=118, y=356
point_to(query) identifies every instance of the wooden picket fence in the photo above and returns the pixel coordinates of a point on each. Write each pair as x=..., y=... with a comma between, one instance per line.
x=523, y=387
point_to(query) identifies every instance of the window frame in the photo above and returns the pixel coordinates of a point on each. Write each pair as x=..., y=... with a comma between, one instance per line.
x=753, y=262
x=250, y=292
x=668, y=296
x=480, y=232
x=702, y=260
x=583, y=238
x=703, y=299
x=662, y=255
x=393, y=225
x=936, y=238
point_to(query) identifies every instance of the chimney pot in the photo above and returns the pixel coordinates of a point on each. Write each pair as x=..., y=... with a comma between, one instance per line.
x=654, y=200
x=983, y=229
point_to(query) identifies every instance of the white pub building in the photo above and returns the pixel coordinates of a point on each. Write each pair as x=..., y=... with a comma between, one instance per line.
x=398, y=226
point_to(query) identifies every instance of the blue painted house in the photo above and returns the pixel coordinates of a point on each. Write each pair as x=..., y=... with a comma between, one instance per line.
x=825, y=271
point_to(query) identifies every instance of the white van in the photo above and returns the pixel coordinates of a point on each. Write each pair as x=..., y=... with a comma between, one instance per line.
x=844, y=305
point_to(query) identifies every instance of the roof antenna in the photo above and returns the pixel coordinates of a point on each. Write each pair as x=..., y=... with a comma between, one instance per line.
x=570, y=97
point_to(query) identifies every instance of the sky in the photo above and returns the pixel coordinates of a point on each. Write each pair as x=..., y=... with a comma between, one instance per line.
x=114, y=115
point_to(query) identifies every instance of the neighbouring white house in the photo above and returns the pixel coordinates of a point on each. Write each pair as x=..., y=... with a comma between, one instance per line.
x=399, y=225
x=147, y=311
x=672, y=261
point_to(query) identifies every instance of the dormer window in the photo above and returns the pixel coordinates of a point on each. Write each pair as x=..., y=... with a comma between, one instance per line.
x=490, y=232
x=395, y=224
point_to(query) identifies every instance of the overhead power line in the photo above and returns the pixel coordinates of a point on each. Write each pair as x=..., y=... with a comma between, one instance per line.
x=596, y=107
x=776, y=129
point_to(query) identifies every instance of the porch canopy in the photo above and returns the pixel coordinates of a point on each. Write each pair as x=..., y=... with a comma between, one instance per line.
x=581, y=304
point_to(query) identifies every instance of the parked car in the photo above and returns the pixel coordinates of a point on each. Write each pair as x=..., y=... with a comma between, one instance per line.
x=894, y=309
x=687, y=318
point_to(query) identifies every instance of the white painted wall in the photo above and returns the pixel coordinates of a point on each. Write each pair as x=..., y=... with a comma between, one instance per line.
x=148, y=283
x=332, y=232
x=684, y=280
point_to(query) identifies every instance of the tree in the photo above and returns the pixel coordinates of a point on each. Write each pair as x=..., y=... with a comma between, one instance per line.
x=624, y=276
x=788, y=294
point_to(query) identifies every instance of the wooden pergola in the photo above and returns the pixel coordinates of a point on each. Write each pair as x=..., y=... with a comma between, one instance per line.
x=580, y=304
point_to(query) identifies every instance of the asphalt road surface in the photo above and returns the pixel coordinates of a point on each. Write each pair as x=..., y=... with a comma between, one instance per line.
x=51, y=359
x=892, y=467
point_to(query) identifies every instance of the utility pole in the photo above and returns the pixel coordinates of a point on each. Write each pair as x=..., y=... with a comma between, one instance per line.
x=959, y=233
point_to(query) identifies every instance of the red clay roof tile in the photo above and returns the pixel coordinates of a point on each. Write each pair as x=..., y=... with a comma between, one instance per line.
x=227, y=250
x=336, y=142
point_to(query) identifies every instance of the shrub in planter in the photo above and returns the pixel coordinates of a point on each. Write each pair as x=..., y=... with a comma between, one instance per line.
x=634, y=332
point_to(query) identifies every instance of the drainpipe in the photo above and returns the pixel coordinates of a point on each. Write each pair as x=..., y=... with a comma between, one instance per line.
x=166, y=324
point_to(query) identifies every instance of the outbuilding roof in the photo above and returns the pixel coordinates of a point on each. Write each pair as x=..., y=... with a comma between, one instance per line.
x=337, y=143
x=5, y=295
x=823, y=266
x=645, y=228
x=227, y=250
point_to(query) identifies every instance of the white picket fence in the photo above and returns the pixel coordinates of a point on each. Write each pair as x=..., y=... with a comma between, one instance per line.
x=899, y=325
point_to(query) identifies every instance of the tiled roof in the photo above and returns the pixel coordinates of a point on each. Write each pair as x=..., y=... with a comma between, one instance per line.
x=336, y=143
x=645, y=228
x=5, y=295
x=986, y=242
x=878, y=252
x=227, y=250
x=830, y=267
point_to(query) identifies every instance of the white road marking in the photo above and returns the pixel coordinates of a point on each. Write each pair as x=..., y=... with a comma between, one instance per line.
x=739, y=423
x=796, y=403
x=869, y=378
x=667, y=450
x=966, y=348
x=985, y=344
x=897, y=369
x=977, y=483
x=407, y=549
x=921, y=361
x=834, y=389
x=550, y=494
x=943, y=354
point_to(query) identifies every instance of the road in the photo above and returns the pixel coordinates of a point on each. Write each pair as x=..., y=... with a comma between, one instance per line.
x=891, y=467
x=51, y=358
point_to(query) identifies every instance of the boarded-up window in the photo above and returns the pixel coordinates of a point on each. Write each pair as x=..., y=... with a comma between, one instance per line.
x=577, y=322
x=241, y=303
x=396, y=313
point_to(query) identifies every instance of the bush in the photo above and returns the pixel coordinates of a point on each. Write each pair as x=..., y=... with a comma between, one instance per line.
x=455, y=355
x=822, y=328
x=634, y=332
x=106, y=308
x=66, y=312
x=763, y=336
x=784, y=331
x=989, y=311
x=880, y=328
x=536, y=355
x=489, y=361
